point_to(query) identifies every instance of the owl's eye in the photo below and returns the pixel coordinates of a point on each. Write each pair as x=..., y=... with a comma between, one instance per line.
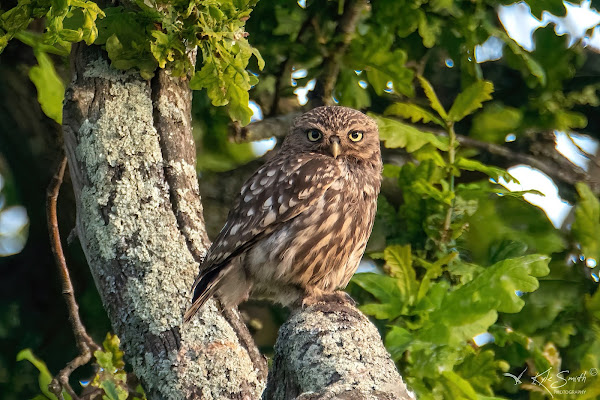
x=314, y=135
x=355, y=136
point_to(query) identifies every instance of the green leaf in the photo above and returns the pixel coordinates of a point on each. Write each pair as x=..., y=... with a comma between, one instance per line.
x=522, y=56
x=398, y=264
x=495, y=122
x=480, y=370
x=113, y=391
x=386, y=290
x=112, y=357
x=543, y=307
x=569, y=120
x=397, y=134
x=429, y=29
x=472, y=308
x=470, y=100
x=44, y=377
x=50, y=88
x=165, y=47
x=228, y=83
x=239, y=100
x=433, y=99
x=412, y=112
x=259, y=59
x=128, y=55
x=501, y=218
x=35, y=40
x=434, y=270
x=586, y=228
x=474, y=165
x=289, y=21
x=397, y=341
x=496, y=287
x=348, y=91
x=507, y=249
x=387, y=66
x=463, y=386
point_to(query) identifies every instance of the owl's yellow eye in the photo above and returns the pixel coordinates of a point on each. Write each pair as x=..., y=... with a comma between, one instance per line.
x=355, y=136
x=314, y=135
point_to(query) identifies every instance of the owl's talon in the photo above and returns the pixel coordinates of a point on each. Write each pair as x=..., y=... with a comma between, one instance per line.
x=338, y=296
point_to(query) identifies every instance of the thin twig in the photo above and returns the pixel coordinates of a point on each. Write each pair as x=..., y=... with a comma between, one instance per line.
x=85, y=343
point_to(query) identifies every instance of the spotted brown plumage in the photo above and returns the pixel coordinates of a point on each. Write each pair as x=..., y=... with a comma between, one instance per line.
x=301, y=223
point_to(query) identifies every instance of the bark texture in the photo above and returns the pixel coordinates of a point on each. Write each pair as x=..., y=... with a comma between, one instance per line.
x=332, y=351
x=132, y=202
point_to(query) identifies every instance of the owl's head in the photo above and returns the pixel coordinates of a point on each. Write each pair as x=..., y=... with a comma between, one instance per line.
x=339, y=132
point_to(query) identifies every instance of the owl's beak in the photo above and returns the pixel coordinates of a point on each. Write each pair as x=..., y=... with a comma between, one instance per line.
x=335, y=147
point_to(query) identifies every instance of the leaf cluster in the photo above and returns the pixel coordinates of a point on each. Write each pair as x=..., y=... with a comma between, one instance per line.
x=148, y=35
x=463, y=259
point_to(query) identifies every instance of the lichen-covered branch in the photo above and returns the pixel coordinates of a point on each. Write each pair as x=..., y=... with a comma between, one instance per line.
x=332, y=351
x=172, y=102
x=130, y=229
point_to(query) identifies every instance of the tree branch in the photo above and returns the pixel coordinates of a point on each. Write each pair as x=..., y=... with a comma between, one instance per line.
x=323, y=92
x=563, y=172
x=85, y=343
x=267, y=128
x=332, y=351
x=172, y=103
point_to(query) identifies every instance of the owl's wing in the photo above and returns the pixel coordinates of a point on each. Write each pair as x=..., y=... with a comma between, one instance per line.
x=279, y=191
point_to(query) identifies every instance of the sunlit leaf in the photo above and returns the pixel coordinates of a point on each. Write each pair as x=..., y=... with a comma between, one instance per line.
x=491, y=171
x=398, y=264
x=412, y=112
x=433, y=99
x=470, y=100
x=386, y=290
x=50, y=88
x=586, y=227
x=398, y=134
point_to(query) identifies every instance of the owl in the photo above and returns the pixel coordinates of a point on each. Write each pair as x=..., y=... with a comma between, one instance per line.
x=300, y=225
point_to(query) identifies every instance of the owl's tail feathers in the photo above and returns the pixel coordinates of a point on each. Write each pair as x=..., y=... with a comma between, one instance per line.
x=205, y=286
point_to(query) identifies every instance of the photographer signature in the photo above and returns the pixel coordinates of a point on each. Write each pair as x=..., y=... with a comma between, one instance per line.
x=545, y=378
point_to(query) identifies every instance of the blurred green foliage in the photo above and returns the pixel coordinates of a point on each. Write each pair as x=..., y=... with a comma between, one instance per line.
x=458, y=254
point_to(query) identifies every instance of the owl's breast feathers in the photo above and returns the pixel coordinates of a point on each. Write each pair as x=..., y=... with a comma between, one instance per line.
x=305, y=214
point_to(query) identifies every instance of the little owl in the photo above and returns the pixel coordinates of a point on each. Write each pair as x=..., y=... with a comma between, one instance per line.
x=301, y=223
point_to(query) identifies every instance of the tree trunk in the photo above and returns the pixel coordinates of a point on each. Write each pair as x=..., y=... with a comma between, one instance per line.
x=140, y=233
x=139, y=220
